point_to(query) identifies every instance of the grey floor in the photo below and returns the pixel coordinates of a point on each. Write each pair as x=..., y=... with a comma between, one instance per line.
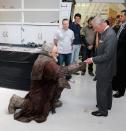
x=74, y=115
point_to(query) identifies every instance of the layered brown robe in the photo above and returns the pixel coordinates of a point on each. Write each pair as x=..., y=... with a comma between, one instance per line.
x=48, y=81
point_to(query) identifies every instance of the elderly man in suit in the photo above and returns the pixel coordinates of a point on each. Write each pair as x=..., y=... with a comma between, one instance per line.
x=105, y=61
x=121, y=55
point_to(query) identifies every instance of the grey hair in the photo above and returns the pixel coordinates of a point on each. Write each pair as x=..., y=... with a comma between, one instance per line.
x=98, y=20
x=47, y=47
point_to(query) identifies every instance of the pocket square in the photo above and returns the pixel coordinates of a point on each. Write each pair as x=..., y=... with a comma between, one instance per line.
x=100, y=41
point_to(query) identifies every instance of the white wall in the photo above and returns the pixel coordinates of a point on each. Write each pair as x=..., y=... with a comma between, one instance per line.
x=41, y=3
x=29, y=3
x=10, y=4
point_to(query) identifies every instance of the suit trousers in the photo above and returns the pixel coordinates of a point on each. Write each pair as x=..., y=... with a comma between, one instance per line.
x=104, y=94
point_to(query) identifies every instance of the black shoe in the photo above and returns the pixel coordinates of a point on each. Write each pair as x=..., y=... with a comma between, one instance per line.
x=118, y=95
x=91, y=73
x=76, y=73
x=82, y=73
x=94, y=79
x=68, y=77
x=98, y=113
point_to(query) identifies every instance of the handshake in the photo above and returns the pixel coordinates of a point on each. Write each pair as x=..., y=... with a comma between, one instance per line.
x=88, y=61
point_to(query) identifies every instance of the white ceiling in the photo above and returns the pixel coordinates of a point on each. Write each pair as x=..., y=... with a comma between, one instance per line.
x=103, y=1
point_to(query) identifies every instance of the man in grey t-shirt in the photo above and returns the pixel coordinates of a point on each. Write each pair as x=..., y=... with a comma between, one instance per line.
x=63, y=39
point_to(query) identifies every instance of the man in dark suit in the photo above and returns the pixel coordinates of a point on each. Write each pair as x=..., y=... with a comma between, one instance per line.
x=121, y=57
x=117, y=24
x=105, y=61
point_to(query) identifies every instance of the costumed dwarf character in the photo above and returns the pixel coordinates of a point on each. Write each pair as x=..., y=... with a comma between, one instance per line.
x=47, y=83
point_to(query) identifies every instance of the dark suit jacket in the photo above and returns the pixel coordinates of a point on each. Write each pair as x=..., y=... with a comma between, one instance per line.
x=122, y=40
x=105, y=58
x=121, y=54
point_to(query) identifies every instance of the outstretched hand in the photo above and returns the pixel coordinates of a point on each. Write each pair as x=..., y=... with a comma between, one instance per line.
x=88, y=61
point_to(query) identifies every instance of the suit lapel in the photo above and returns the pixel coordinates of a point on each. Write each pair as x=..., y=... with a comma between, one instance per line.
x=123, y=30
x=103, y=35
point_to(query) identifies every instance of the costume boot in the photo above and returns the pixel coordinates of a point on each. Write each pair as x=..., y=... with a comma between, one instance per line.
x=15, y=102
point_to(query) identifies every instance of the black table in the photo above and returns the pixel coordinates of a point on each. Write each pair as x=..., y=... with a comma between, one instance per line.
x=15, y=69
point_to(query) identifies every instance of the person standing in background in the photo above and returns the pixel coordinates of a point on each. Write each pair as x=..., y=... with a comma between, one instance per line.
x=117, y=24
x=63, y=39
x=121, y=57
x=75, y=27
x=90, y=35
